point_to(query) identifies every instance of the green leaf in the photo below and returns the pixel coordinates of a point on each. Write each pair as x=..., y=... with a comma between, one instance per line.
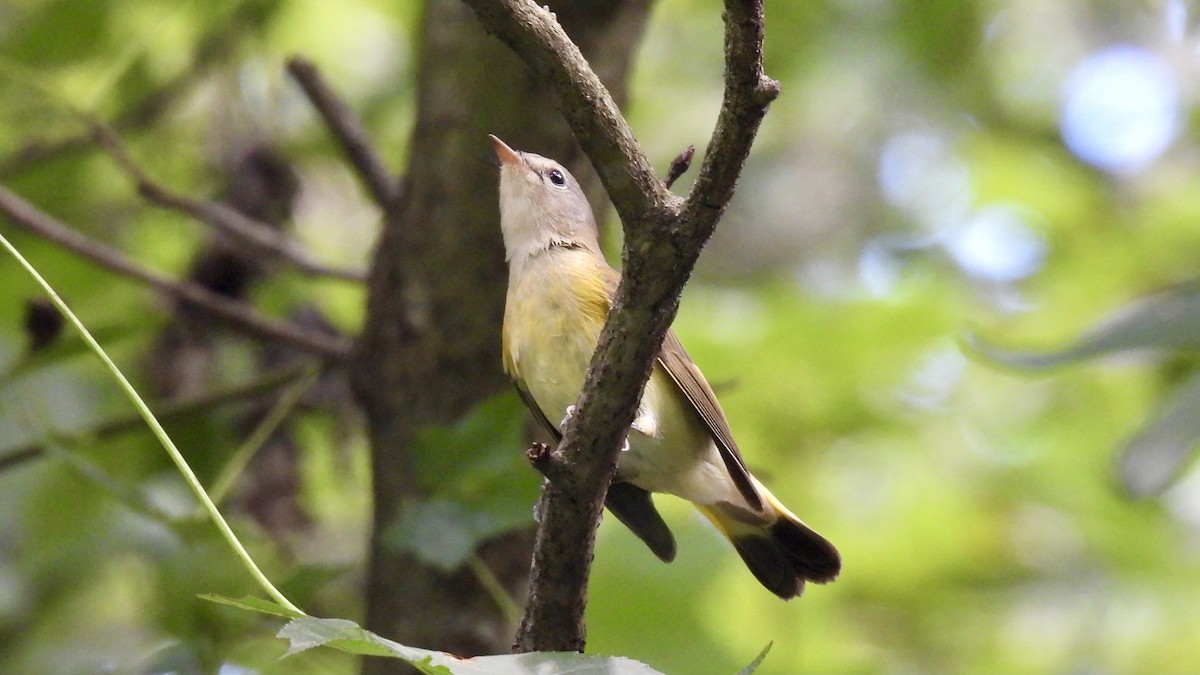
x=441, y=532
x=1162, y=447
x=478, y=480
x=345, y=635
x=542, y=663
x=253, y=604
x=1167, y=320
x=465, y=458
x=130, y=495
x=753, y=665
x=308, y=632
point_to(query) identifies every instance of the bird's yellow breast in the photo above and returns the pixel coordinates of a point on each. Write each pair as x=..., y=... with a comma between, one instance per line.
x=555, y=309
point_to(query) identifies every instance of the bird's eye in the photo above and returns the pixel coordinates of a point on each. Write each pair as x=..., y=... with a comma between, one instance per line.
x=557, y=177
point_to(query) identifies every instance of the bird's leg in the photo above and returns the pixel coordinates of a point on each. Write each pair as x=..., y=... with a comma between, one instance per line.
x=570, y=412
x=645, y=424
x=624, y=444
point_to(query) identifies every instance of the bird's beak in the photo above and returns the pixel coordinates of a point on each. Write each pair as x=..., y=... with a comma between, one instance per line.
x=505, y=154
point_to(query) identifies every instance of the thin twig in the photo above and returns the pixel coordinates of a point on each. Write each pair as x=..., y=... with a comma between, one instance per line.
x=349, y=132
x=680, y=165
x=547, y=460
x=39, y=150
x=533, y=32
x=748, y=93
x=212, y=48
x=663, y=238
x=235, y=314
x=64, y=449
x=493, y=586
x=287, y=402
x=164, y=411
x=230, y=221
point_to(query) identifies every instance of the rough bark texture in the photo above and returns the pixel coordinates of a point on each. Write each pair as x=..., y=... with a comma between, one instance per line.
x=430, y=349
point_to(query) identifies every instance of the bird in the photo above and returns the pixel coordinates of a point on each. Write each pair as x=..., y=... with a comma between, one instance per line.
x=560, y=290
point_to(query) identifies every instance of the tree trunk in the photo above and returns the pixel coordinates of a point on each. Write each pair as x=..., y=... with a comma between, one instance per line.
x=430, y=349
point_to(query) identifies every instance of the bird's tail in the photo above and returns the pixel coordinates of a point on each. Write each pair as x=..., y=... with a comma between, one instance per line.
x=780, y=550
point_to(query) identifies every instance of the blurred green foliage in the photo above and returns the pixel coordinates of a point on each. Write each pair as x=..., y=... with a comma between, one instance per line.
x=910, y=186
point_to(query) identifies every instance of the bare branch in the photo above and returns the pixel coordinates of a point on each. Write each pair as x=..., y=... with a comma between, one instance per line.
x=38, y=150
x=348, y=129
x=258, y=235
x=164, y=412
x=680, y=165
x=235, y=314
x=748, y=92
x=663, y=238
x=533, y=32
x=547, y=460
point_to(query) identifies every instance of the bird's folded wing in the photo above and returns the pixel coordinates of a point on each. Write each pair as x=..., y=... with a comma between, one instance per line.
x=633, y=506
x=691, y=382
x=543, y=421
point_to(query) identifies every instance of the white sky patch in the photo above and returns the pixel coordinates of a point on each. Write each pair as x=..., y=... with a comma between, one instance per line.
x=920, y=175
x=1120, y=109
x=996, y=244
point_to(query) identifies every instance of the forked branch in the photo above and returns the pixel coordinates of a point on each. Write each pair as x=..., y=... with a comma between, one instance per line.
x=663, y=238
x=235, y=314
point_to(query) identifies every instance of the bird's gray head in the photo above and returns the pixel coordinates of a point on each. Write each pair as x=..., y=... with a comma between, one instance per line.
x=541, y=205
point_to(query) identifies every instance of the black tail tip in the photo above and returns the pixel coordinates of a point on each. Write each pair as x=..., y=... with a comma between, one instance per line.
x=810, y=555
x=788, y=555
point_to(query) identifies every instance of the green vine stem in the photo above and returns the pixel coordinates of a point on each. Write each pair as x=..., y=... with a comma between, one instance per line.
x=188, y=476
x=241, y=457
